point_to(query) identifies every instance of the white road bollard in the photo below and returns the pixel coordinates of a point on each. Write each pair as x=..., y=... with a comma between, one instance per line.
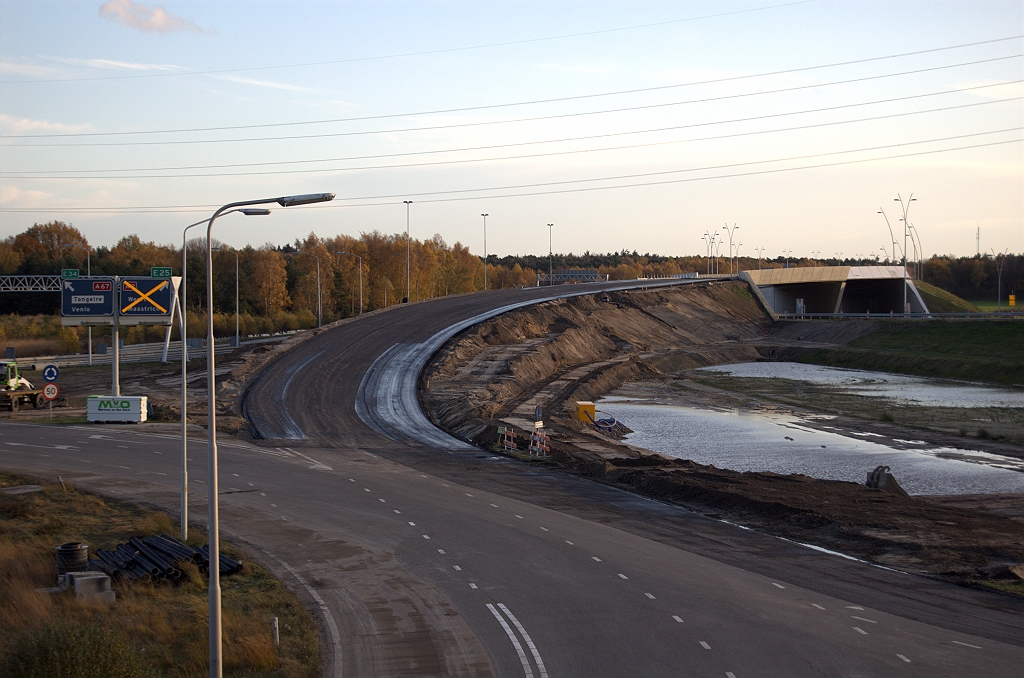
x=275, y=628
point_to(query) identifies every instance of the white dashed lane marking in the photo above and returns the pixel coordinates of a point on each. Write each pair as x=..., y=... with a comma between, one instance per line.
x=649, y=596
x=860, y=630
x=441, y=551
x=568, y=542
x=730, y=674
x=457, y=568
x=903, y=658
x=622, y=576
x=705, y=645
x=397, y=511
x=817, y=606
x=779, y=585
x=545, y=529
x=519, y=516
x=870, y=621
x=412, y=523
x=596, y=559
x=677, y=618
x=382, y=501
x=426, y=536
x=472, y=585
x=976, y=647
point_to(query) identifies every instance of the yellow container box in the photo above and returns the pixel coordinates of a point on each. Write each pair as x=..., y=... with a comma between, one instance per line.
x=583, y=408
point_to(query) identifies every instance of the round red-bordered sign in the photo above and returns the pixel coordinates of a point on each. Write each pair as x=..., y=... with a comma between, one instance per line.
x=50, y=391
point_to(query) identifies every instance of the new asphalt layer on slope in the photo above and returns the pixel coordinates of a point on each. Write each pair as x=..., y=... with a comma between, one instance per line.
x=423, y=559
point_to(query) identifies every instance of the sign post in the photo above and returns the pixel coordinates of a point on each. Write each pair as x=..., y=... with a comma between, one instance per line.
x=50, y=392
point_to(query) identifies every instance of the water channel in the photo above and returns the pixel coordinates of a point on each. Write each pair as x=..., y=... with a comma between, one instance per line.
x=764, y=440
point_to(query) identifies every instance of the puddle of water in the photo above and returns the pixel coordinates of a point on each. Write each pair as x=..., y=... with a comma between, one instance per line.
x=756, y=441
x=895, y=387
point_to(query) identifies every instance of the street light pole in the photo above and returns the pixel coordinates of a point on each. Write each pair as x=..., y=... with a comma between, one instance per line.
x=550, y=269
x=183, y=326
x=360, y=278
x=408, y=253
x=730, y=231
x=485, y=251
x=906, y=209
x=216, y=665
x=760, y=251
x=1000, y=259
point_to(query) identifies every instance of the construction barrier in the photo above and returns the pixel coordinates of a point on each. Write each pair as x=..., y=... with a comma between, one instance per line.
x=540, y=444
x=508, y=439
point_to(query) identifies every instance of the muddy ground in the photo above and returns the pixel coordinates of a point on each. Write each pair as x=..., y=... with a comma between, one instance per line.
x=551, y=355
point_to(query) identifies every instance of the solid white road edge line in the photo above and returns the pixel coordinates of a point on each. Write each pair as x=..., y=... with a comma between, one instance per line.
x=529, y=641
x=515, y=641
x=335, y=634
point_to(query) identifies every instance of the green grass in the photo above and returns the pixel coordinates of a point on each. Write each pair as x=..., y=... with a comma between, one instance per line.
x=940, y=301
x=975, y=350
x=165, y=625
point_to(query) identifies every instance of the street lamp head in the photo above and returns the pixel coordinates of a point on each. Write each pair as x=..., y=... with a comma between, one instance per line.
x=407, y=202
x=307, y=199
x=485, y=215
x=255, y=212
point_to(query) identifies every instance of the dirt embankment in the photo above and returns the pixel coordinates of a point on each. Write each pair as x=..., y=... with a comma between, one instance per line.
x=556, y=353
x=577, y=349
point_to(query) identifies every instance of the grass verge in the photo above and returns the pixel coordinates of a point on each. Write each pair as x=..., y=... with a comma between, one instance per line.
x=164, y=625
x=974, y=350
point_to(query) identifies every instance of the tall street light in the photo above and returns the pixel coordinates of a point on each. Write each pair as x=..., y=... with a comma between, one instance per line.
x=183, y=326
x=408, y=252
x=319, y=320
x=485, y=251
x=216, y=665
x=730, y=231
x=760, y=251
x=905, y=206
x=550, y=271
x=88, y=273
x=360, y=278
x=222, y=249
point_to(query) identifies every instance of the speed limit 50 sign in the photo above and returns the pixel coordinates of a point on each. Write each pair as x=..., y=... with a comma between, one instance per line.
x=50, y=391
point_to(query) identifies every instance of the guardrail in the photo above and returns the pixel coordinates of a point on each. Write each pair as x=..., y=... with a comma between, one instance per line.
x=983, y=315
x=139, y=353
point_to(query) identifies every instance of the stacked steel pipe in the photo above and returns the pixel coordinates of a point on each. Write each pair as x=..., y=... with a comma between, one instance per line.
x=155, y=559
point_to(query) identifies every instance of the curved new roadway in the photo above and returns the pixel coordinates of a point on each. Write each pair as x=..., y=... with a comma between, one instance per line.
x=426, y=556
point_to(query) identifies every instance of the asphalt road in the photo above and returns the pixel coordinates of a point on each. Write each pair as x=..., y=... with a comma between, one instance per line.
x=426, y=561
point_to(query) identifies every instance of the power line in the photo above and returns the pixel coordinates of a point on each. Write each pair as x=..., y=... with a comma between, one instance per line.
x=192, y=208
x=531, y=155
x=692, y=169
x=540, y=142
x=518, y=120
x=519, y=103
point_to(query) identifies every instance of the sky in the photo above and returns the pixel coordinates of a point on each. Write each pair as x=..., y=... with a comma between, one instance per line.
x=628, y=125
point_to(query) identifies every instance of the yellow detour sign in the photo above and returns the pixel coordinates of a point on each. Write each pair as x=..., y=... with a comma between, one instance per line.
x=145, y=301
x=1013, y=300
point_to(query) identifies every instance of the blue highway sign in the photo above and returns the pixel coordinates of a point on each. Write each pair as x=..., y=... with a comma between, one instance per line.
x=146, y=296
x=50, y=373
x=87, y=297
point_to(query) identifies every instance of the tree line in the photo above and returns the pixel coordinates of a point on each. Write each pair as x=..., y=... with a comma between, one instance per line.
x=277, y=284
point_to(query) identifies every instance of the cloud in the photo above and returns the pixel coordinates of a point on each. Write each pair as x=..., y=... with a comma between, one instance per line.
x=266, y=83
x=111, y=64
x=149, y=19
x=12, y=125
